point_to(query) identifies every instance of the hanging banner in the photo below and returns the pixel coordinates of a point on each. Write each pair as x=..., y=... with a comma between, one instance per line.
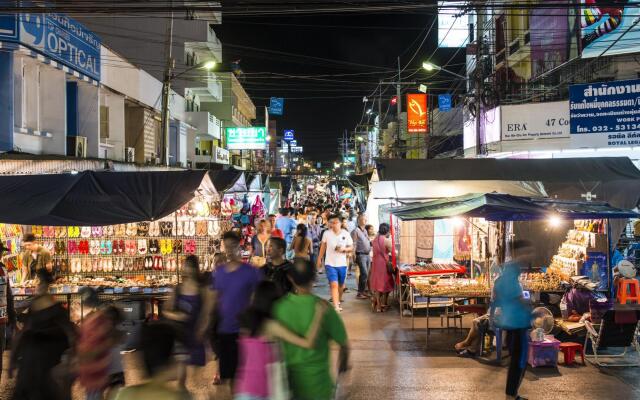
x=417, y=116
x=444, y=102
x=609, y=29
x=610, y=110
x=276, y=106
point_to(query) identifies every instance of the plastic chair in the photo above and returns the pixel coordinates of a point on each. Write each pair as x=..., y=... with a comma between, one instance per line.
x=569, y=350
x=628, y=290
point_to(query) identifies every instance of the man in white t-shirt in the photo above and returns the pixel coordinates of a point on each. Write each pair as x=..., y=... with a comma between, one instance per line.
x=336, y=245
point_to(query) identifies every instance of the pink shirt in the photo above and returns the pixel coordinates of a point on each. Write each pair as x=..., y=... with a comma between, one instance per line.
x=252, y=376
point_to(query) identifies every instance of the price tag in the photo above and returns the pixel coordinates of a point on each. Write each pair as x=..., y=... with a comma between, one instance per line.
x=108, y=290
x=134, y=289
x=147, y=290
x=118, y=290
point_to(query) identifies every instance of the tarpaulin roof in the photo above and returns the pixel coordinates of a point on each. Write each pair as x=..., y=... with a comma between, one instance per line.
x=548, y=170
x=504, y=207
x=228, y=180
x=97, y=198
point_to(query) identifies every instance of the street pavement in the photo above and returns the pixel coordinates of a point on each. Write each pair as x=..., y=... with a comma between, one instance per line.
x=389, y=361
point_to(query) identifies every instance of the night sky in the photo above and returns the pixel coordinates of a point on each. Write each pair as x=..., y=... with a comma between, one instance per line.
x=354, y=51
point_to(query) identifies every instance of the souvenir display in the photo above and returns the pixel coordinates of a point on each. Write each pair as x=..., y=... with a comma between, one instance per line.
x=454, y=287
x=586, y=236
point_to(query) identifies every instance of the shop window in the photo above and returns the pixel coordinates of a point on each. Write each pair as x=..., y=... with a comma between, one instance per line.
x=104, y=122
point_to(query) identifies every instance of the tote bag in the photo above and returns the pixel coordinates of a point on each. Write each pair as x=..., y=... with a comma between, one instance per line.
x=277, y=375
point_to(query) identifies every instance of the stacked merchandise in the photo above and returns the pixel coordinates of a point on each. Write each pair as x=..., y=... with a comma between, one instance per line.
x=454, y=287
x=11, y=236
x=586, y=236
x=543, y=282
x=136, y=255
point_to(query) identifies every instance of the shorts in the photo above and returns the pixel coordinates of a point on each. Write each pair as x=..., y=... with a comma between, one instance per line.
x=336, y=274
x=227, y=355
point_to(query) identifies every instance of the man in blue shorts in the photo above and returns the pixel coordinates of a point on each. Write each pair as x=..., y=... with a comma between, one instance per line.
x=336, y=245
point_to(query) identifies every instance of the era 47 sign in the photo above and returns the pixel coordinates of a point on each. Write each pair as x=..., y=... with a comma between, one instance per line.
x=417, y=116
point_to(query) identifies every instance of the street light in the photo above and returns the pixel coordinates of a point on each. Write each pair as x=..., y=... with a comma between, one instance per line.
x=268, y=138
x=430, y=67
x=360, y=139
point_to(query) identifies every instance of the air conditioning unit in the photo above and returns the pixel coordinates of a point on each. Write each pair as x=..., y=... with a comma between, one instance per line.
x=130, y=154
x=77, y=146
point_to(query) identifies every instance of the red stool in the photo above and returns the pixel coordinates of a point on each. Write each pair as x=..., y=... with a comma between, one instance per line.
x=628, y=289
x=569, y=350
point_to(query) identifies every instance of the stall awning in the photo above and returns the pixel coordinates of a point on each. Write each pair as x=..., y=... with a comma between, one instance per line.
x=504, y=207
x=486, y=169
x=97, y=198
x=229, y=181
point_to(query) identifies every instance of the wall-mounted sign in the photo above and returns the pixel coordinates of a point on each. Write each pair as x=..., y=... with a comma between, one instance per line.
x=444, y=102
x=417, y=116
x=535, y=121
x=220, y=155
x=609, y=30
x=62, y=39
x=251, y=138
x=288, y=135
x=276, y=106
x=610, y=110
x=8, y=27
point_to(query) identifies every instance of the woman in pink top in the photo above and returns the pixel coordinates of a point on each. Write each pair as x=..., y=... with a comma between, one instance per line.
x=259, y=342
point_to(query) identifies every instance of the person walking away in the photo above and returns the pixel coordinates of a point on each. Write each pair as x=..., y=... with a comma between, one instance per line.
x=259, y=244
x=7, y=309
x=308, y=370
x=185, y=308
x=288, y=227
x=38, y=352
x=275, y=232
x=34, y=257
x=259, y=343
x=512, y=312
x=232, y=284
x=98, y=351
x=336, y=245
x=301, y=244
x=381, y=280
x=157, y=346
x=315, y=230
x=362, y=246
x=278, y=266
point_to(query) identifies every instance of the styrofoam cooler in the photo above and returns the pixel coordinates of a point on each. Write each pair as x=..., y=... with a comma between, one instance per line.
x=544, y=353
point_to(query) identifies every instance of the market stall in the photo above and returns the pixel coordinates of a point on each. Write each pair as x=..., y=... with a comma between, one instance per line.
x=121, y=233
x=587, y=230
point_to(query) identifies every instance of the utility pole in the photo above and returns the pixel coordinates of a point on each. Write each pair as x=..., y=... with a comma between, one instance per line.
x=166, y=89
x=479, y=72
x=399, y=104
x=398, y=84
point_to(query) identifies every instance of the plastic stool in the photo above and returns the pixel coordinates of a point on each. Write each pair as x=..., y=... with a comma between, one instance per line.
x=628, y=289
x=569, y=350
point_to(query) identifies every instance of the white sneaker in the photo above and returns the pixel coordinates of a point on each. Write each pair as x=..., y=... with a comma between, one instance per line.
x=338, y=308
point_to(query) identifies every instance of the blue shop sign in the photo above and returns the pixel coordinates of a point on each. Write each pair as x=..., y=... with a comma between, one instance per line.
x=57, y=37
x=276, y=106
x=606, y=107
x=444, y=102
x=63, y=39
x=288, y=135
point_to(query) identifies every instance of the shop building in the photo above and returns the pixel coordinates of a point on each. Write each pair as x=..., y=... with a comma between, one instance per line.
x=194, y=42
x=64, y=93
x=235, y=110
x=531, y=76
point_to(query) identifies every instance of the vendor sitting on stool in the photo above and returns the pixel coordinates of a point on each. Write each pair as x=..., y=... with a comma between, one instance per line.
x=467, y=347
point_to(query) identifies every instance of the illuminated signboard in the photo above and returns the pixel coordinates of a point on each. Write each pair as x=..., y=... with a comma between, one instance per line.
x=417, y=116
x=251, y=138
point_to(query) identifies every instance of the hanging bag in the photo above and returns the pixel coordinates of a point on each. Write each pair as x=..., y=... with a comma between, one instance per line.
x=277, y=375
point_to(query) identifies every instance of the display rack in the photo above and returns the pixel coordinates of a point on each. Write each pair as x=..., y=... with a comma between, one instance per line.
x=134, y=258
x=586, y=236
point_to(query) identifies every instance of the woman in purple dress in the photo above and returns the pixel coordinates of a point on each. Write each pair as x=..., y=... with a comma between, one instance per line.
x=380, y=280
x=185, y=308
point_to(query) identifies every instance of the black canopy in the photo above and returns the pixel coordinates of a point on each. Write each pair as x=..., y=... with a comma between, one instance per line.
x=224, y=179
x=96, y=198
x=545, y=170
